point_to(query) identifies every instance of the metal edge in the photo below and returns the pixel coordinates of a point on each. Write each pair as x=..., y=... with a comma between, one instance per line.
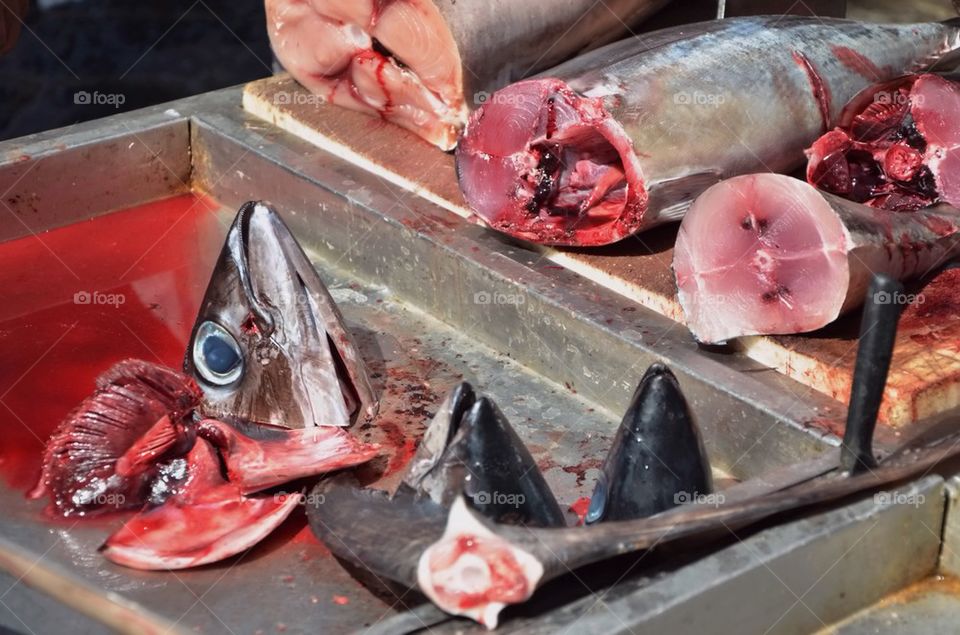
x=55, y=178
x=111, y=609
x=794, y=578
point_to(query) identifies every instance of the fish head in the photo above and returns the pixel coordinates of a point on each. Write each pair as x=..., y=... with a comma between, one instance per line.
x=269, y=345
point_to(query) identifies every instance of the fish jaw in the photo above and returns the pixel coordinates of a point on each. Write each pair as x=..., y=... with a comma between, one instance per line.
x=396, y=60
x=540, y=162
x=473, y=572
x=286, y=455
x=897, y=146
x=269, y=345
x=208, y=520
x=760, y=254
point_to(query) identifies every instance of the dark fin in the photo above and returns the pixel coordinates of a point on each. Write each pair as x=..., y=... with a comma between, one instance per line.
x=428, y=473
x=80, y=459
x=822, y=8
x=258, y=464
x=206, y=521
x=657, y=459
x=374, y=532
x=878, y=333
x=504, y=482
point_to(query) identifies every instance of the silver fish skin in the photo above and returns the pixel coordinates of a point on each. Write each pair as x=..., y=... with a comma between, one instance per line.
x=672, y=112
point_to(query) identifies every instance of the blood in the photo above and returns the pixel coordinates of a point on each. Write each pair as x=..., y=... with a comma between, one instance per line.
x=858, y=63
x=580, y=508
x=878, y=158
x=820, y=92
x=80, y=298
x=506, y=583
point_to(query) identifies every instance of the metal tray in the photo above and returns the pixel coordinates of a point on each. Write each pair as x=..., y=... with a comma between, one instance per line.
x=560, y=354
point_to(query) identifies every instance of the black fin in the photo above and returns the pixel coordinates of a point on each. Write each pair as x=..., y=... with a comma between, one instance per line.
x=657, y=459
x=878, y=332
x=504, y=483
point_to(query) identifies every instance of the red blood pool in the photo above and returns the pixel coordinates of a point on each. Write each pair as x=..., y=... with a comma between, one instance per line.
x=80, y=298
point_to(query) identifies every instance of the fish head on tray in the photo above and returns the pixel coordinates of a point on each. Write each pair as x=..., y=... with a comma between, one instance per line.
x=213, y=458
x=269, y=345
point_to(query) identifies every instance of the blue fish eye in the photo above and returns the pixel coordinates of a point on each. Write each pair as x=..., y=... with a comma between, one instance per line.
x=216, y=355
x=221, y=357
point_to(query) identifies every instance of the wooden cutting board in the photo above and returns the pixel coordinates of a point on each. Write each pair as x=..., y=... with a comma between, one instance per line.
x=924, y=380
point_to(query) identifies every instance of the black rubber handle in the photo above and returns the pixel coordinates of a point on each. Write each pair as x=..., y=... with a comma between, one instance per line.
x=878, y=330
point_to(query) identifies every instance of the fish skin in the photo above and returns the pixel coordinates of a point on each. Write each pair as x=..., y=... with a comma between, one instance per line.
x=696, y=103
x=764, y=254
x=451, y=53
x=657, y=459
x=300, y=366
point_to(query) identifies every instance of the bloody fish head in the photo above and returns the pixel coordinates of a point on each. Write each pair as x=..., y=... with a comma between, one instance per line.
x=269, y=345
x=543, y=163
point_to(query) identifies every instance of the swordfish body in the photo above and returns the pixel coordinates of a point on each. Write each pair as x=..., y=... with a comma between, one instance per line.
x=625, y=137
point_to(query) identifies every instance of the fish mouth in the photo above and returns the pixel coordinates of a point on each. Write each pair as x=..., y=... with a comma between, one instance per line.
x=396, y=60
x=269, y=345
x=543, y=163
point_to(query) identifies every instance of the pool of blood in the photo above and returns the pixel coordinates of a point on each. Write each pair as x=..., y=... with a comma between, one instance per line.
x=77, y=299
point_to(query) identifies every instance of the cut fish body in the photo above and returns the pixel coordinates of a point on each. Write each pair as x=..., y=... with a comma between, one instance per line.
x=423, y=64
x=625, y=137
x=770, y=254
x=898, y=147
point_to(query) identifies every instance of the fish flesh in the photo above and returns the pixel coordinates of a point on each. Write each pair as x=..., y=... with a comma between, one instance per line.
x=424, y=64
x=764, y=254
x=625, y=137
x=897, y=147
x=271, y=377
x=657, y=460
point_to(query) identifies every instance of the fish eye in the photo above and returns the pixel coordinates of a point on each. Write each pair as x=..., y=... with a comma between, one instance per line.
x=216, y=355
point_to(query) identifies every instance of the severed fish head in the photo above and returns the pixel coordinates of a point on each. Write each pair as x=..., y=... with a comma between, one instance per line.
x=269, y=345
